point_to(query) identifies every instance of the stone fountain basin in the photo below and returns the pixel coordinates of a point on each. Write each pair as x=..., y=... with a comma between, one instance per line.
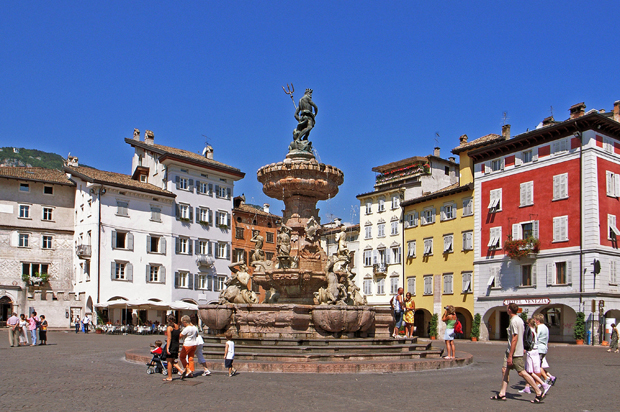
x=216, y=317
x=346, y=319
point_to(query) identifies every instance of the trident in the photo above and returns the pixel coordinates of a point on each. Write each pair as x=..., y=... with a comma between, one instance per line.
x=290, y=92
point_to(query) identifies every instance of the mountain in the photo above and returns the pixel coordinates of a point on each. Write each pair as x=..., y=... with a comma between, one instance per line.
x=13, y=156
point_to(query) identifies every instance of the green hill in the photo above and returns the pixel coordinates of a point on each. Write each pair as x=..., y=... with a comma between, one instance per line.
x=10, y=156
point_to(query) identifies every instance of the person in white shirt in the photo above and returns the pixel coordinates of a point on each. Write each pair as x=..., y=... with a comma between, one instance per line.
x=543, y=347
x=190, y=333
x=86, y=323
x=229, y=354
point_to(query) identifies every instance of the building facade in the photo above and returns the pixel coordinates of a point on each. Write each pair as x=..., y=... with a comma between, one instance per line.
x=36, y=244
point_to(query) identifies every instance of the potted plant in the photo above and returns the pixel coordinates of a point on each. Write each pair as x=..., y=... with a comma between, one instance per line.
x=517, y=249
x=184, y=219
x=523, y=315
x=433, y=326
x=580, y=328
x=475, y=328
x=203, y=223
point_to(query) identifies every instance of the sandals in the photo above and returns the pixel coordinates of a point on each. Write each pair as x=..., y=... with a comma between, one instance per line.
x=537, y=399
x=167, y=379
x=498, y=398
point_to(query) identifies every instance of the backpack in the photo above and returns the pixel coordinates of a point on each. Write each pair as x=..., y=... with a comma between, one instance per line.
x=458, y=327
x=528, y=338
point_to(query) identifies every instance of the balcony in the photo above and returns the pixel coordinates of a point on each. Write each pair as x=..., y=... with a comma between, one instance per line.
x=205, y=260
x=379, y=268
x=83, y=251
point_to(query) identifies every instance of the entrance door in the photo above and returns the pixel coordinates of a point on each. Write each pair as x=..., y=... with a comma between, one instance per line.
x=504, y=322
x=6, y=309
x=461, y=318
x=418, y=322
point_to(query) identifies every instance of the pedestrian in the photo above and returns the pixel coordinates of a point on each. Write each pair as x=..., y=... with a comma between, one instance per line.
x=398, y=308
x=86, y=322
x=43, y=331
x=201, y=359
x=172, y=345
x=33, y=323
x=14, y=330
x=543, y=346
x=613, y=344
x=189, y=332
x=23, y=330
x=229, y=354
x=77, y=324
x=532, y=362
x=513, y=358
x=409, y=317
x=449, y=317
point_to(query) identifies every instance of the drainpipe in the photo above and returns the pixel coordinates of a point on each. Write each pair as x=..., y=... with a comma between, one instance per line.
x=580, y=136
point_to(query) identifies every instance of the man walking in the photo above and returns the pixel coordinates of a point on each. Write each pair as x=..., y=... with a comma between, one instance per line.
x=86, y=322
x=13, y=323
x=513, y=358
x=398, y=308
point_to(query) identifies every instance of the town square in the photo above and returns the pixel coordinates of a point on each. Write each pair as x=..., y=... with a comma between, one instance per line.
x=198, y=211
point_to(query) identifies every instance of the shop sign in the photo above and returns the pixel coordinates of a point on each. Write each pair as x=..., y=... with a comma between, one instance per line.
x=523, y=302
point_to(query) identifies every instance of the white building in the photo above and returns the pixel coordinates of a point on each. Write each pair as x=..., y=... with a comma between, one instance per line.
x=379, y=265
x=330, y=245
x=201, y=224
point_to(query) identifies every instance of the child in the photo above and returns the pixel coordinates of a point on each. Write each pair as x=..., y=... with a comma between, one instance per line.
x=229, y=354
x=157, y=350
x=43, y=331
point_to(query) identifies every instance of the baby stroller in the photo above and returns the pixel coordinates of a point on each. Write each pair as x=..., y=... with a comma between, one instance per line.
x=159, y=365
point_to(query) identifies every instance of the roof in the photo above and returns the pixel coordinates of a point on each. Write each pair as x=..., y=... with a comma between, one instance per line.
x=399, y=163
x=351, y=228
x=481, y=141
x=115, y=179
x=35, y=174
x=446, y=191
x=255, y=210
x=187, y=156
x=379, y=191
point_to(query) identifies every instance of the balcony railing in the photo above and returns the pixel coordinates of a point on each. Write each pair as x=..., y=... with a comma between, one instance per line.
x=379, y=268
x=205, y=260
x=84, y=251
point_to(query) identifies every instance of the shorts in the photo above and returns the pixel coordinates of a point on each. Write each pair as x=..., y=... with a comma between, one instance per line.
x=201, y=359
x=449, y=335
x=532, y=362
x=398, y=319
x=542, y=357
x=518, y=363
x=228, y=363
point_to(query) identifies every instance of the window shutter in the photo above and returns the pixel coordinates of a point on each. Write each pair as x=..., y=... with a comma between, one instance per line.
x=446, y=243
x=610, y=183
x=113, y=271
x=617, y=185
x=190, y=281
x=398, y=254
x=569, y=272
x=503, y=161
x=130, y=241
x=523, y=194
x=129, y=272
x=148, y=243
x=148, y=272
x=162, y=245
x=443, y=213
x=177, y=180
x=498, y=278
x=564, y=228
x=534, y=274
x=613, y=278
x=530, y=193
x=190, y=246
x=518, y=160
x=434, y=213
x=228, y=251
x=197, y=246
x=191, y=214
x=375, y=257
x=198, y=186
x=557, y=222
x=516, y=231
x=210, y=248
x=162, y=274
x=487, y=167
x=228, y=193
x=535, y=154
x=217, y=190
x=210, y=189
x=564, y=186
x=388, y=256
x=211, y=217
x=191, y=185
x=114, y=239
x=550, y=274
x=176, y=280
x=177, y=245
x=535, y=229
x=556, y=186
x=196, y=284
x=198, y=217
x=228, y=219
x=177, y=211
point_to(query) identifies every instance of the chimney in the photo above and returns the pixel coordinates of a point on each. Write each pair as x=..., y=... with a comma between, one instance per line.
x=266, y=207
x=436, y=152
x=617, y=110
x=577, y=110
x=337, y=222
x=72, y=161
x=548, y=120
x=208, y=152
x=452, y=159
x=506, y=131
x=463, y=139
x=136, y=134
x=149, y=137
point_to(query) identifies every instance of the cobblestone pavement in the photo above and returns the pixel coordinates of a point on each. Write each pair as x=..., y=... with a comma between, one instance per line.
x=88, y=373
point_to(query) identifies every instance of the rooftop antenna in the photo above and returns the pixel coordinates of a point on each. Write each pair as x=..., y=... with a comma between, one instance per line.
x=504, y=118
x=290, y=90
x=551, y=111
x=436, y=139
x=204, y=151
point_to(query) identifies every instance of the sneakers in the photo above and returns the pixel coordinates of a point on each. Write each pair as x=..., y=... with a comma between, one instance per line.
x=526, y=390
x=553, y=380
x=545, y=388
x=207, y=372
x=234, y=372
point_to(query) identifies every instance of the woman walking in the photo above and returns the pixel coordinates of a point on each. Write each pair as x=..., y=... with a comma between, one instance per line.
x=43, y=331
x=32, y=327
x=172, y=347
x=613, y=345
x=190, y=332
x=449, y=316
x=23, y=330
x=409, y=315
x=77, y=324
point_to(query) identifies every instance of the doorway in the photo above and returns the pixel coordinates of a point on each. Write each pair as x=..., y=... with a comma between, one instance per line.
x=504, y=322
x=6, y=309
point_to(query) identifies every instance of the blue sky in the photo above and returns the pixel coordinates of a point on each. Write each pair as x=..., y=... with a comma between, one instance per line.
x=80, y=76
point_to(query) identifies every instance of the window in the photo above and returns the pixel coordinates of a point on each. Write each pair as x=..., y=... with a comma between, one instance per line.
x=203, y=188
x=560, y=186
x=428, y=216
x=183, y=245
x=368, y=232
x=46, y=242
x=204, y=247
x=559, y=273
x=428, y=285
x=468, y=240
x=395, y=201
x=48, y=190
x=411, y=220
x=613, y=184
x=154, y=273
x=497, y=165
x=612, y=229
x=608, y=145
x=222, y=191
x=495, y=239
x=34, y=269
x=120, y=270
x=381, y=230
x=87, y=270
x=222, y=251
x=411, y=285
x=560, y=229
x=368, y=257
x=220, y=283
x=495, y=280
x=47, y=213
x=24, y=240
x=368, y=208
x=184, y=211
x=527, y=275
x=143, y=178
x=525, y=230
x=182, y=183
x=394, y=255
x=613, y=274
x=204, y=216
x=447, y=284
x=411, y=249
x=269, y=255
x=367, y=286
x=448, y=212
x=155, y=244
x=559, y=146
x=155, y=214
x=527, y=156
x=447, y=170
x=24, y=211
x=428, y=247
x=466, y=279
x=468, y=207
x=24, y=187
x=122, y=240
x=381, y=286
x=238, y=255
x=495, y=203
x=239, y=232
x=183, y=280
x=203, y=282
x=222, y=219
x=448, y=241
x=393, y=285
x=394, y=229
x=526, y=194
x=269, y=237
x=122, y=208
x=381, y=204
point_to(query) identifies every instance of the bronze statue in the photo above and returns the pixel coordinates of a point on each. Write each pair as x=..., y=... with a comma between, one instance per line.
x=305, y=116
